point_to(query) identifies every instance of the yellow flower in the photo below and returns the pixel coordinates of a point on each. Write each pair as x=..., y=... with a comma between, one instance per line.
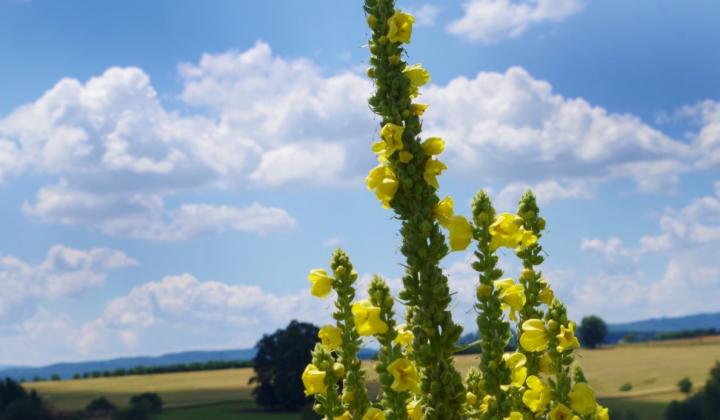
x=514, y=415
x=582, y=399
x=512, y=296
x=414, y=410
x=383, y=180
x=418, y=77
x=314, y=380
x=330, y=336
x=460, y=233
x=405, y=156
x=400, y=25
x=380, y=149
x=405, y=374
x=444, y=211
x=560, y=412
x=546, y=364
x=392, y=136
x=534, y=337
x=433, y=146
x=385, y=192
x=367, y=318
x=566, y=338
x=373, y=413
x=537, y=396
x=546, y=295
x=485, y=404
x=418, y=109
x=507, y=231
x=470, y=398
x=602, y=413
x=320, y=282
x=516, y=363
x=375, y=176
x=344, y=416
x=433, y=168
x=404, y=337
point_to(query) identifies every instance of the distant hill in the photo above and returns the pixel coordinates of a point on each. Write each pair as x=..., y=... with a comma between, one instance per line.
x=650, y=327
x=67, y=370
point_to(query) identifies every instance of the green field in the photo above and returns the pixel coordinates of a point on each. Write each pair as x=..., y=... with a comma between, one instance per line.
x=652, y=369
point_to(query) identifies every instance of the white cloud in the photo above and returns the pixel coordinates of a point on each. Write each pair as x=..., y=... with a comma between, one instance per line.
x=513, y=128
x=112, y=153
x=688, y=240
x=688, y=285
x=115, y=151
x=489, y=21
x=425, y=14
x=145, y=216
x=706, y=115
x=64, y=272
x=545, y=192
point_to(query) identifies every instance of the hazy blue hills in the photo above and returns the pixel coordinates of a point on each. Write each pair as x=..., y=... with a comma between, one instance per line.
x=648, y=327
x=660, y=325
x=67, y=370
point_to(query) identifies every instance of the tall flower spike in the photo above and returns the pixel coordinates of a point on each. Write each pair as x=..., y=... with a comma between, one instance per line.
x=425, y=287
x=395, y=376
x=494, y=331
x=355, y=400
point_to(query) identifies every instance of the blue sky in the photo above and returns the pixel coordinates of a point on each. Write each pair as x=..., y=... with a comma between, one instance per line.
x=169, y=172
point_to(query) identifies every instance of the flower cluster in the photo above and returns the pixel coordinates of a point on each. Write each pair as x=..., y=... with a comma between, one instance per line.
x=415, y=365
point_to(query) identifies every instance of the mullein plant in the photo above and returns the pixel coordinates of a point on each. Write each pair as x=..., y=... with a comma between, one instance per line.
x=416, y=372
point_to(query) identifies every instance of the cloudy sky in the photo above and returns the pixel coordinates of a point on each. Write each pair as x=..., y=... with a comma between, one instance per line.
x=170, y=171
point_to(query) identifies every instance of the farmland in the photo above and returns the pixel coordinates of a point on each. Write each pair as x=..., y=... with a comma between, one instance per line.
x=652, y=369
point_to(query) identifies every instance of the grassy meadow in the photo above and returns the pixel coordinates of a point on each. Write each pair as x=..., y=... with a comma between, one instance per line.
x=653, y=370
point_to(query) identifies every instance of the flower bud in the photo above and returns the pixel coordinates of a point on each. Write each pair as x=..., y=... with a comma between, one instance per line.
x=383, y=40
x=484, y=291
x=372, y=21
x=541, y=223
x=371, y=72
x=526, y=275
x=394, y=59
x=339, y=370
x=552, y=325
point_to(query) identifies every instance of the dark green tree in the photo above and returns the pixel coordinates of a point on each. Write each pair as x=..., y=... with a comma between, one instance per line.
x=592, y=331
x=100, y=404
x=705, y=405
x=149, y=402
x=685, y=385
x=17, y=404
x=279, y=364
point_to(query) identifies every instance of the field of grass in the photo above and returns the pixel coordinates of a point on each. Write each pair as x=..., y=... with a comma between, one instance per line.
x=652, y=369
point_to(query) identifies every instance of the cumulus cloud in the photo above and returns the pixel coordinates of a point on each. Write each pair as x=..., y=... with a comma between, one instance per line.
x=545, y=192
x=688, y=238
x=490, y=21
x=116, y=151
x=425, y=14
x=112, y=153
x=64, y=272
x=513, y=128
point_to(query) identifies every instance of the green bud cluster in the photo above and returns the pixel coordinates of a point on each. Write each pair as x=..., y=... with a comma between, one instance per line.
x=393, y=402
x=494, y=331
x=556, y=317
x=426, y=292
x=327, y=404
x=356, y=401
x=531, y=257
